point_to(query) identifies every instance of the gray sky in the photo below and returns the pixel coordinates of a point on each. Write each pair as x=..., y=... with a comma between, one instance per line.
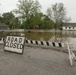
x=8, y=5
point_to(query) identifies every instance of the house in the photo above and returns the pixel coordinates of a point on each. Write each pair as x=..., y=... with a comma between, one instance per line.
x=69, y=26
x=3, y=26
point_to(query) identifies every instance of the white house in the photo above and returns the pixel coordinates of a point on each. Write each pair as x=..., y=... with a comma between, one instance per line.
x=69, y=26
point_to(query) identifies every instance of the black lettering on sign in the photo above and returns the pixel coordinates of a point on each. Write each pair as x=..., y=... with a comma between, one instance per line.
x=20, y=40
x=12, y=39
x=7, y=44
x=15, y=40
x=8, y=39
x=18, y=46
x=14, y=45
x=11, y=44
x=21, y=46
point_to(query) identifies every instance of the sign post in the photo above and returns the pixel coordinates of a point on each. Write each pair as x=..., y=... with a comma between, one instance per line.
x=14, y=44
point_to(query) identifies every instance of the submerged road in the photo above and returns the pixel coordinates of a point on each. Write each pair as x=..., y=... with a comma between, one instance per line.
x=35, y=61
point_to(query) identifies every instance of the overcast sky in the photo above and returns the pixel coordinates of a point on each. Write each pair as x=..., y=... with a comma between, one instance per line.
x=8, y=5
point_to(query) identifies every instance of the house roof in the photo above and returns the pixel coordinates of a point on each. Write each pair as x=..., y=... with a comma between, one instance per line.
x=69, y=24
x=3, y=24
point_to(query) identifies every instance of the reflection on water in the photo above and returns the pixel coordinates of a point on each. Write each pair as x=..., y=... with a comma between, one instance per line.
x=39, y=35
x=61, y=36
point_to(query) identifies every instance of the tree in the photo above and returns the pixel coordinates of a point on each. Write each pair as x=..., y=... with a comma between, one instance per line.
x=58, y=14
x=7, y=17
x=35, y=21
x=10, y=20
x=26, y=8
x=39, y=20
x=46, y=22
x=15, y=23
x=1, y=19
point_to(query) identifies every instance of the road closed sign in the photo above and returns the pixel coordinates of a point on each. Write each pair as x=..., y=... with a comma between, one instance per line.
x=14, y=44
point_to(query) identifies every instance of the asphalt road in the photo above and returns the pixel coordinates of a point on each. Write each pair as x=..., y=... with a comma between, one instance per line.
x=35, y=61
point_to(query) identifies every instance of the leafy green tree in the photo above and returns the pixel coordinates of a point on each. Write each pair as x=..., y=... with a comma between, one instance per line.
x=39, y=21
x=26, y=8
x=11, y=20
x=1, y=19
x=15, y=23
x=57, y=13
x=35, y=21
x=7, y=17
x=46, y=23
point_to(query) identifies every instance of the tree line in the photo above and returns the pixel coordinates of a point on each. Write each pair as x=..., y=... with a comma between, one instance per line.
x=28, y=15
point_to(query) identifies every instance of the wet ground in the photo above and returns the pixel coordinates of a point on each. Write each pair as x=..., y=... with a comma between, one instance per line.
x=35, y=61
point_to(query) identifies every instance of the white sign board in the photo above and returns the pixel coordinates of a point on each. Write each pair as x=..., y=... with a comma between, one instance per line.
x=14, y=44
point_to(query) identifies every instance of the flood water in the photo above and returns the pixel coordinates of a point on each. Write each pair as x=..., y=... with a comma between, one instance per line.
x=61, y=36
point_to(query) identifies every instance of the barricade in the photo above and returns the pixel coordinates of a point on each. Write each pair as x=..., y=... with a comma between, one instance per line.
x=67, y=46
x=46, y=43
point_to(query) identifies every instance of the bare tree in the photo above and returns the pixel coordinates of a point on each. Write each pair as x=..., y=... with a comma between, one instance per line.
x=57, y=13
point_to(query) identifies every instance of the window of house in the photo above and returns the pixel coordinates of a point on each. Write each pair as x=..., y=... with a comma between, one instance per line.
x=69, y=27
x=66, y=27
